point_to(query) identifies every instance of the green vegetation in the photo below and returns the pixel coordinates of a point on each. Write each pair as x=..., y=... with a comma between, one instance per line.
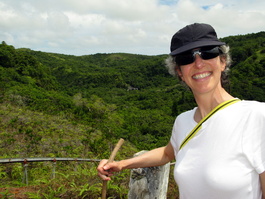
x=55, y=105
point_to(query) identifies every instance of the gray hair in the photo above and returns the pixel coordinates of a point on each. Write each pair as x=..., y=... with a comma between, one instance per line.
x=172, y=66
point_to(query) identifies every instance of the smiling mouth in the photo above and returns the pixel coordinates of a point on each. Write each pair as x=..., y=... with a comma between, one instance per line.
x=201, y=76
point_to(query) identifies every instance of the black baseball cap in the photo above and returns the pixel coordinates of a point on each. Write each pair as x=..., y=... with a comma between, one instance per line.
x=194, y=36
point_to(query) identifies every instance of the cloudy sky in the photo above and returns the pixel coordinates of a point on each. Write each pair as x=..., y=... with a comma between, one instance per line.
x=82, y=27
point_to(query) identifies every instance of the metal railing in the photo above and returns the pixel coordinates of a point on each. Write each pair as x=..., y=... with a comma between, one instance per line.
x=25, y=162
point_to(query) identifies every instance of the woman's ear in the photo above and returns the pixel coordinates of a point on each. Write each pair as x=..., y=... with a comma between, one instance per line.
x=179, y=73
x=223, y=63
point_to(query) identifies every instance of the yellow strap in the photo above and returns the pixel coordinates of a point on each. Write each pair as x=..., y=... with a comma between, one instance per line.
x=198, y=126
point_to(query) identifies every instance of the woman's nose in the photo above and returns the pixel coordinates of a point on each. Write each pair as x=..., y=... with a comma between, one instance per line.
x=198, y=61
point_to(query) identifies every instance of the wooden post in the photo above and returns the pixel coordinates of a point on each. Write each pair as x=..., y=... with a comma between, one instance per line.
x=149, y=183
x=111, y=159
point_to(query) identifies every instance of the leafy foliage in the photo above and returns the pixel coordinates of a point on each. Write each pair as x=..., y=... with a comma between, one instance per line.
x=248, y=71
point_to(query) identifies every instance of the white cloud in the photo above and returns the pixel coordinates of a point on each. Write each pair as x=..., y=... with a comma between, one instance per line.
x=228, y=17
x=134, y=26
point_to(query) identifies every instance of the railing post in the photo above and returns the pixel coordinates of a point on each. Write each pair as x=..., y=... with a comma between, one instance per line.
x=149, y=183
x=53, y=168
x=25, y=173
x=76, y=165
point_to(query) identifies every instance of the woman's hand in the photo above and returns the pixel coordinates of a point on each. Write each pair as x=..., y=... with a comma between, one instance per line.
x=106, y=170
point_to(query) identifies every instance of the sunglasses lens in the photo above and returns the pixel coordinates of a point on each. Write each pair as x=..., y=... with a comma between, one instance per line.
x=184, y=59
x=210, y=54
x=205, y=53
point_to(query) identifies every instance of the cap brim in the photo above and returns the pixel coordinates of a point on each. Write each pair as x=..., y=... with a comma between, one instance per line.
x=196, y=44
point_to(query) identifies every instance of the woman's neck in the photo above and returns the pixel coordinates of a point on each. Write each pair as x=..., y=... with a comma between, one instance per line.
x=208, y=101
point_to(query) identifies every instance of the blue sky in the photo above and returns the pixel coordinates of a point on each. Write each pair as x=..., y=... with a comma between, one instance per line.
x=167, y=2
x=81, y=27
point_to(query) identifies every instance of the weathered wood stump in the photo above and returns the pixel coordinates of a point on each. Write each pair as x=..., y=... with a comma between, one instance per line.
x=149, y=183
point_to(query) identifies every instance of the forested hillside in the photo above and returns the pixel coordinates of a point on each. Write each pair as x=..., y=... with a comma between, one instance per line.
x=55, y=105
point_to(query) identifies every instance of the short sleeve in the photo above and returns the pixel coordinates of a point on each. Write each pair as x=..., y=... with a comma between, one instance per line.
x=173, y=139
x=253, y=142
x=183, y=124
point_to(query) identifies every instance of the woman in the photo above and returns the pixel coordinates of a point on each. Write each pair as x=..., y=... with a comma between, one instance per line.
x=219, y=154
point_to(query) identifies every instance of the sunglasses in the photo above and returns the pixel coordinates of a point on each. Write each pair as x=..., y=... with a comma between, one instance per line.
x=204, y=52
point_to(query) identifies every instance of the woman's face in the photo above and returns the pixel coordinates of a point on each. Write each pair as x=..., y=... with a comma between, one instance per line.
x=202, y=76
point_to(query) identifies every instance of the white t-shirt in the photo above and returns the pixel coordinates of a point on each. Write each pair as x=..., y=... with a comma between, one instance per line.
x=225, y=158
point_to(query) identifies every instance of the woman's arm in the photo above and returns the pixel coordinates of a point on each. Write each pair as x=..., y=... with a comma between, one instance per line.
x=262, y=181
x=155, y=157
